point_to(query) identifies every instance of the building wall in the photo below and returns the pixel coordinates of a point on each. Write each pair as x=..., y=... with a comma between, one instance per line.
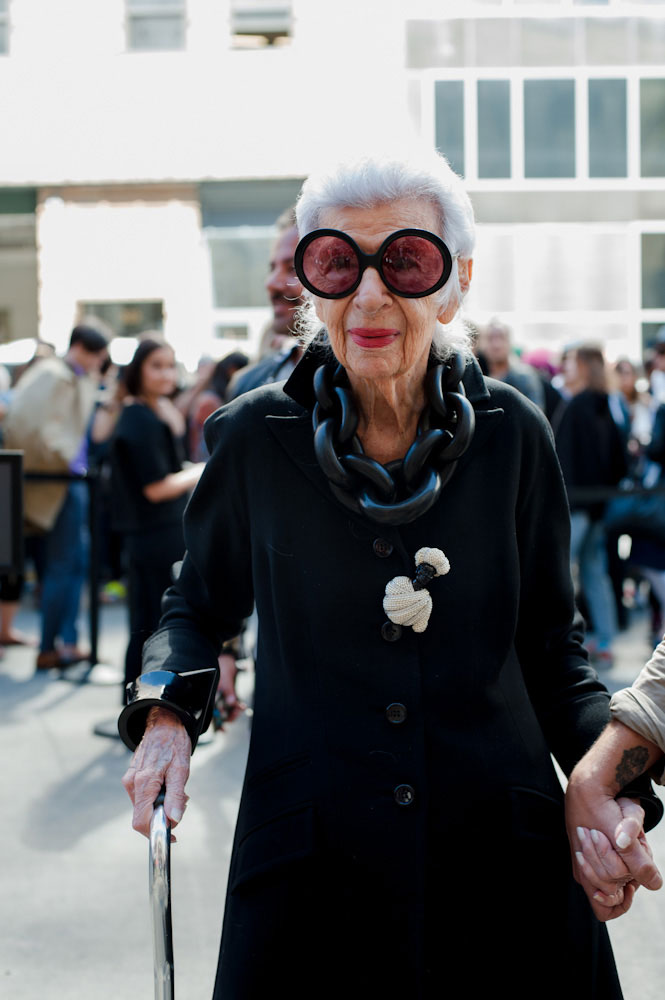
x=126, y=147
x=18, y=293
x=555, y=114
x=125, y=244
x=18, y=266
x=86, y=110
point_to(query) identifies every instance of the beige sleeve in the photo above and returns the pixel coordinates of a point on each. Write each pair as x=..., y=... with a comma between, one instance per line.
x=642, y=706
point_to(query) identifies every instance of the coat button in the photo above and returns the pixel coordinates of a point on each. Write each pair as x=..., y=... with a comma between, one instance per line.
x=382, y=548
x=396, y=713
x=391, y=632
x=404, y=795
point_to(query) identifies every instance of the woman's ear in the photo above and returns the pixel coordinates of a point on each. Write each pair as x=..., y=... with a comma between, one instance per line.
x=464, y=270
x=318, y=304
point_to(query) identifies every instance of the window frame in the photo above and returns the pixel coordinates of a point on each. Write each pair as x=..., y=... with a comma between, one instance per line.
x=631, y=318
x=580, y=75
x=5, y=20
x=247, y=39
x=254, y=318
x=136, y=10
x=523, y=8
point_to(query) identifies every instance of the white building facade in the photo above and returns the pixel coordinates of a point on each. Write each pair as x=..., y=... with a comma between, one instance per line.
x=149, y=145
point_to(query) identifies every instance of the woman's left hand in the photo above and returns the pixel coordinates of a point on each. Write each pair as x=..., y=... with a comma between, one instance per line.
x=161, y=758
x=608, y=869
x=602, y=871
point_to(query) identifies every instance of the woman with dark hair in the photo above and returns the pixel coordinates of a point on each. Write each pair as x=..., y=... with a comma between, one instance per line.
x=150, y=487
x=207, y=398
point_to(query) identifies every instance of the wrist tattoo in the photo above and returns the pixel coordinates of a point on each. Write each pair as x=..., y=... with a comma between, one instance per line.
x=633, y=763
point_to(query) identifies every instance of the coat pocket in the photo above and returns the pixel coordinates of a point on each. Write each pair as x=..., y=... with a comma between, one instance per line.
x=277, y=843
x=536, y=816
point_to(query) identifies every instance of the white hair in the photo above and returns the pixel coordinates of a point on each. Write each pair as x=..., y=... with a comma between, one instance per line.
x=376, y=179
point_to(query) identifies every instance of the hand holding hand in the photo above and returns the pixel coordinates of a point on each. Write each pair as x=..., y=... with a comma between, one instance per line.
x=611, y=857
x=603, y=875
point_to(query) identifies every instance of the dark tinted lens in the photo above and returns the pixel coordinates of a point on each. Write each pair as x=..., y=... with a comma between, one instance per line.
x=412, y=265
x=330, y=265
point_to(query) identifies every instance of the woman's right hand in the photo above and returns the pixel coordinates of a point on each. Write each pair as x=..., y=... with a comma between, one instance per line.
x=161, y=758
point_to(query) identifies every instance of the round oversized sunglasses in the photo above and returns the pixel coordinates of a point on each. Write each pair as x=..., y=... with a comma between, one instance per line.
x=412, y=263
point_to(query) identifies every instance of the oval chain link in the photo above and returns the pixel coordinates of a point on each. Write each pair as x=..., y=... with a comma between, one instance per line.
x=399, y=492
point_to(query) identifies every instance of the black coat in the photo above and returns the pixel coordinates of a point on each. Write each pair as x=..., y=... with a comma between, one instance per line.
x=590, y=446
x=336, y=889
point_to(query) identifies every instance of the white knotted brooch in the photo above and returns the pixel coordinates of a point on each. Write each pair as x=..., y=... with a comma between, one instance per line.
x=408, y=602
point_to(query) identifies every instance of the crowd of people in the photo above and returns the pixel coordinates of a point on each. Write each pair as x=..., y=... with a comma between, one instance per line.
x=140, y=429
x=411, y=450
x=608, y=421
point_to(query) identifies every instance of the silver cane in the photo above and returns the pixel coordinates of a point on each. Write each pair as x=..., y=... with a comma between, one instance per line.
x=160, y=900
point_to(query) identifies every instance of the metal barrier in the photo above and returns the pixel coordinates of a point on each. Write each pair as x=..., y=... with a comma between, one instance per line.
x=602, y=494
x=11, y=511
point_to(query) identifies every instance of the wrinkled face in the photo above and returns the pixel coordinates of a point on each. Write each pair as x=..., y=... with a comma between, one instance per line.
x=158, y=373
x=282, y=283
x=374, y=333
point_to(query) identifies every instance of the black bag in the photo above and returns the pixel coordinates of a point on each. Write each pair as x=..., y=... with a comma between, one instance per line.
x=638, y=513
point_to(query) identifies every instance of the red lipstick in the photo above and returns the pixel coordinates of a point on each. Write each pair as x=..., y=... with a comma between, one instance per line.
x=372, y=336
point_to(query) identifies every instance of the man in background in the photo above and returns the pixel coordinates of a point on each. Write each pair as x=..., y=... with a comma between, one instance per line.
x=502, y=364
x=285, y=293
x=48, y=420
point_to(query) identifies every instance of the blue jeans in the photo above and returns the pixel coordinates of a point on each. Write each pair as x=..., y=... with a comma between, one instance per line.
x=65, y=565
x=588, y=551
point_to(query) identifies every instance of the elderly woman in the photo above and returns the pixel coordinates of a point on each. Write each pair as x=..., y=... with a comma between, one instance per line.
x=402, y=525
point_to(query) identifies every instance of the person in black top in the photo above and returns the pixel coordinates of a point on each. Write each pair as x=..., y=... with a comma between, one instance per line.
x=592, y=454
x=150, y=487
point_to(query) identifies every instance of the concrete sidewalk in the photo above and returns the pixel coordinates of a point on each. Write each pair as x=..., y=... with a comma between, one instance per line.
x=75, y=922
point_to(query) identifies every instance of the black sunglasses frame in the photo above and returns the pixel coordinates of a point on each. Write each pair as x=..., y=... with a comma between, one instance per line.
x=366, y=260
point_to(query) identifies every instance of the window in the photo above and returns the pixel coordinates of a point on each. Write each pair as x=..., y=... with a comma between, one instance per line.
x=257, y=23
x=649, y=333
x=549, y=128
x=493, y=128
x=239, y=261
x=156, y=25
x=652, y=128
x=126, y=319
x=449, y=111
x=227, y=331
x=550, y=125
x=4, y=27
x=653, y=270
x=608, y=156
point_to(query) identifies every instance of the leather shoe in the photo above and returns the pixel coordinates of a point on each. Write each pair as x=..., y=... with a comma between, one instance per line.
x=48, y=660
x=53, y=658
x=72, y=654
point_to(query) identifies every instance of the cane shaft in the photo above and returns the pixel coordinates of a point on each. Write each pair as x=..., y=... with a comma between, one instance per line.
x=160, y=901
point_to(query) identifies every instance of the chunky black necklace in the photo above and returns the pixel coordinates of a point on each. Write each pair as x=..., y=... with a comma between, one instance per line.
x=400, y=491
